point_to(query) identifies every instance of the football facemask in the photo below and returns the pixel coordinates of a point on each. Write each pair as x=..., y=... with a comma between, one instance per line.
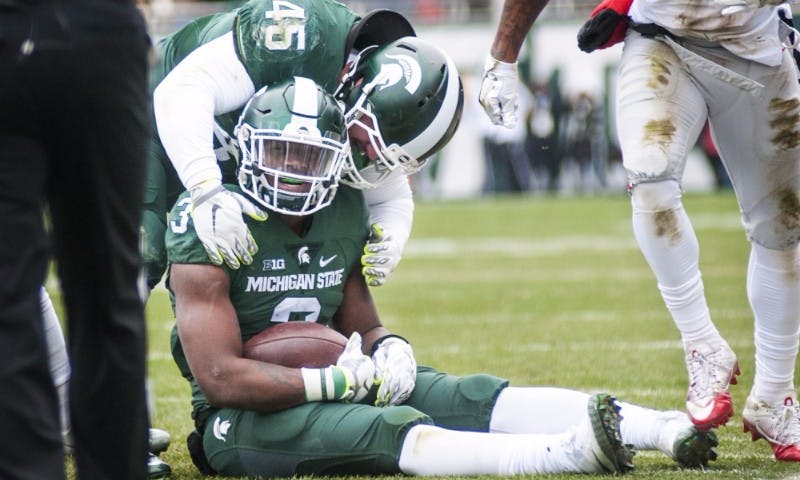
x=294, y=147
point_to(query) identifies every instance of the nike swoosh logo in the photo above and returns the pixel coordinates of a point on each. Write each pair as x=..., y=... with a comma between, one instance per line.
x=323, y=262
x=214, y=209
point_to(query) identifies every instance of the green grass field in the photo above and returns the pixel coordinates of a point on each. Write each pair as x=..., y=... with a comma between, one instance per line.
x=543, y=291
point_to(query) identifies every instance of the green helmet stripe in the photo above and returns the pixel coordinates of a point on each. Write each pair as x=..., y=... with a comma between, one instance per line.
x=430, y=137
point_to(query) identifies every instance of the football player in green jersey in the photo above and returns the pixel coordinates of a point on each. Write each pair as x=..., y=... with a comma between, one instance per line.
x=212, y=66
x=367, y=414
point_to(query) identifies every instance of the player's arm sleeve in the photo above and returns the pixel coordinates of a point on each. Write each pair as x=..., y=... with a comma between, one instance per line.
x=392, y=205
x=208, y=82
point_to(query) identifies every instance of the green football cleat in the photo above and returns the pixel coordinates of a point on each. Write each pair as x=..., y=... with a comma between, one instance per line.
x=605, y=418
x=695, y=448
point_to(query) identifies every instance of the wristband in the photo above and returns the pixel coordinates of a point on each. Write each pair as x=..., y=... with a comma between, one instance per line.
x=377, y=344
x=204, y=190
x=500, y=66
x=323, y=384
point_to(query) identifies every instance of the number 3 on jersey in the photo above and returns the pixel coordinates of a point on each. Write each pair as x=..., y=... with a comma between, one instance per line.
x=288, y=24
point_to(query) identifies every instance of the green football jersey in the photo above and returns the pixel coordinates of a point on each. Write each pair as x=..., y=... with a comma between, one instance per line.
x=292, y=278
x=275, y=40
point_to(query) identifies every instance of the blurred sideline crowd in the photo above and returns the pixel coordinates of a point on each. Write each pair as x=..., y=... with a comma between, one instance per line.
x=562, y=145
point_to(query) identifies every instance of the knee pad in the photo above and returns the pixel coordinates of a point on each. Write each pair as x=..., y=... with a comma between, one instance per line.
x=774, y=222
x=459, y=403
x=656, y=196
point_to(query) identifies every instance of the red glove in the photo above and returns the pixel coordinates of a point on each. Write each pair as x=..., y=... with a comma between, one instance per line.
x=606, y=26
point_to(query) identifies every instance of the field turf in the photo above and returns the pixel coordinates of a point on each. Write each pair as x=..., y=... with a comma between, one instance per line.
x=542, y=291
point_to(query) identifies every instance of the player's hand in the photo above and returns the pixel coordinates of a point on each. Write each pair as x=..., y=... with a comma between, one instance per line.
x=358, y=369
x=217, y=215
x=381, y=256
x=730, y=7
x=499, y=92
x=606, y=26
x=395, y=371
x=347, y=381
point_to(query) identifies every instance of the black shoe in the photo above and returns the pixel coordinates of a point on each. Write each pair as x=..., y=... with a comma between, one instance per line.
x=156, y=468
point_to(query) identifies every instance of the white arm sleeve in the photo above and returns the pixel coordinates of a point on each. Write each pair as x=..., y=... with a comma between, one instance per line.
x=209, y=81
x=391, y=204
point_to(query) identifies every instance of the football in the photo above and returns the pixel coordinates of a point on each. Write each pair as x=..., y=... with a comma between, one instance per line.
x=296, y=345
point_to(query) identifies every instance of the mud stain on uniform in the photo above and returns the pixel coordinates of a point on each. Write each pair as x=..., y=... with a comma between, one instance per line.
x=659, y=73
x=660, y=66
x=659, y=132
x=789, y=209
x=789, y=217
x=666, y=224
x=784, y=120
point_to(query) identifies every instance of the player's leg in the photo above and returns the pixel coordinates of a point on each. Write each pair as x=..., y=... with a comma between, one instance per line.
x=551, y=409
x=59, y=364
x=96, y=190
x=762, y=155
x=154, y=216
x=660, y=113
x=311, y=439
x=346, y=439
x=469, y=404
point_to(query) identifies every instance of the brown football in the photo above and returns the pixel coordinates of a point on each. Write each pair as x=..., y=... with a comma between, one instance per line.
x=296, y=345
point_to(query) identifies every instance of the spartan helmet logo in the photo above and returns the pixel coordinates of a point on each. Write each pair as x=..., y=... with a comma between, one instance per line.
x=406, y=69
x=303, y=258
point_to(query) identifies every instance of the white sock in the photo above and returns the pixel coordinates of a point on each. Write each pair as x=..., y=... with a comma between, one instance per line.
x=648, y=429
x=433, y=451
x=59, y=363
x=668, y=242
x=554, y=410
x=773, y=288
x=537, y=410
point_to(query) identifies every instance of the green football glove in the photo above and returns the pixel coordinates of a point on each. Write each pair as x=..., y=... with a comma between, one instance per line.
x=381, y=256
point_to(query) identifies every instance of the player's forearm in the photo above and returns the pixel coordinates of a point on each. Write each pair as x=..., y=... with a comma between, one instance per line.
x=252, y=385
x=392, y=206
x=185, y=120
x=516, y=20
x=208, y=82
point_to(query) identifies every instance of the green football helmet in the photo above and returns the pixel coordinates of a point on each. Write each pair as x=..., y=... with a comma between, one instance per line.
x=406, y=98
x=294, y=146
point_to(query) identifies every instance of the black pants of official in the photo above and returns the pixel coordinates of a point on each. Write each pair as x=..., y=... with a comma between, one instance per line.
x=73, y=129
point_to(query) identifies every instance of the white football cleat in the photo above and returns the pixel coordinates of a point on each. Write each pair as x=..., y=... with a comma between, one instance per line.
x=712, y=369
x=777, y=424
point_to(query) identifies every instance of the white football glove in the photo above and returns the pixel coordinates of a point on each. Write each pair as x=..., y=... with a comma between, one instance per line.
x=499, y=92
x=217, y=215
x=730, y=7
x=395, y=371
x=381, y=256
x=347, y=381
